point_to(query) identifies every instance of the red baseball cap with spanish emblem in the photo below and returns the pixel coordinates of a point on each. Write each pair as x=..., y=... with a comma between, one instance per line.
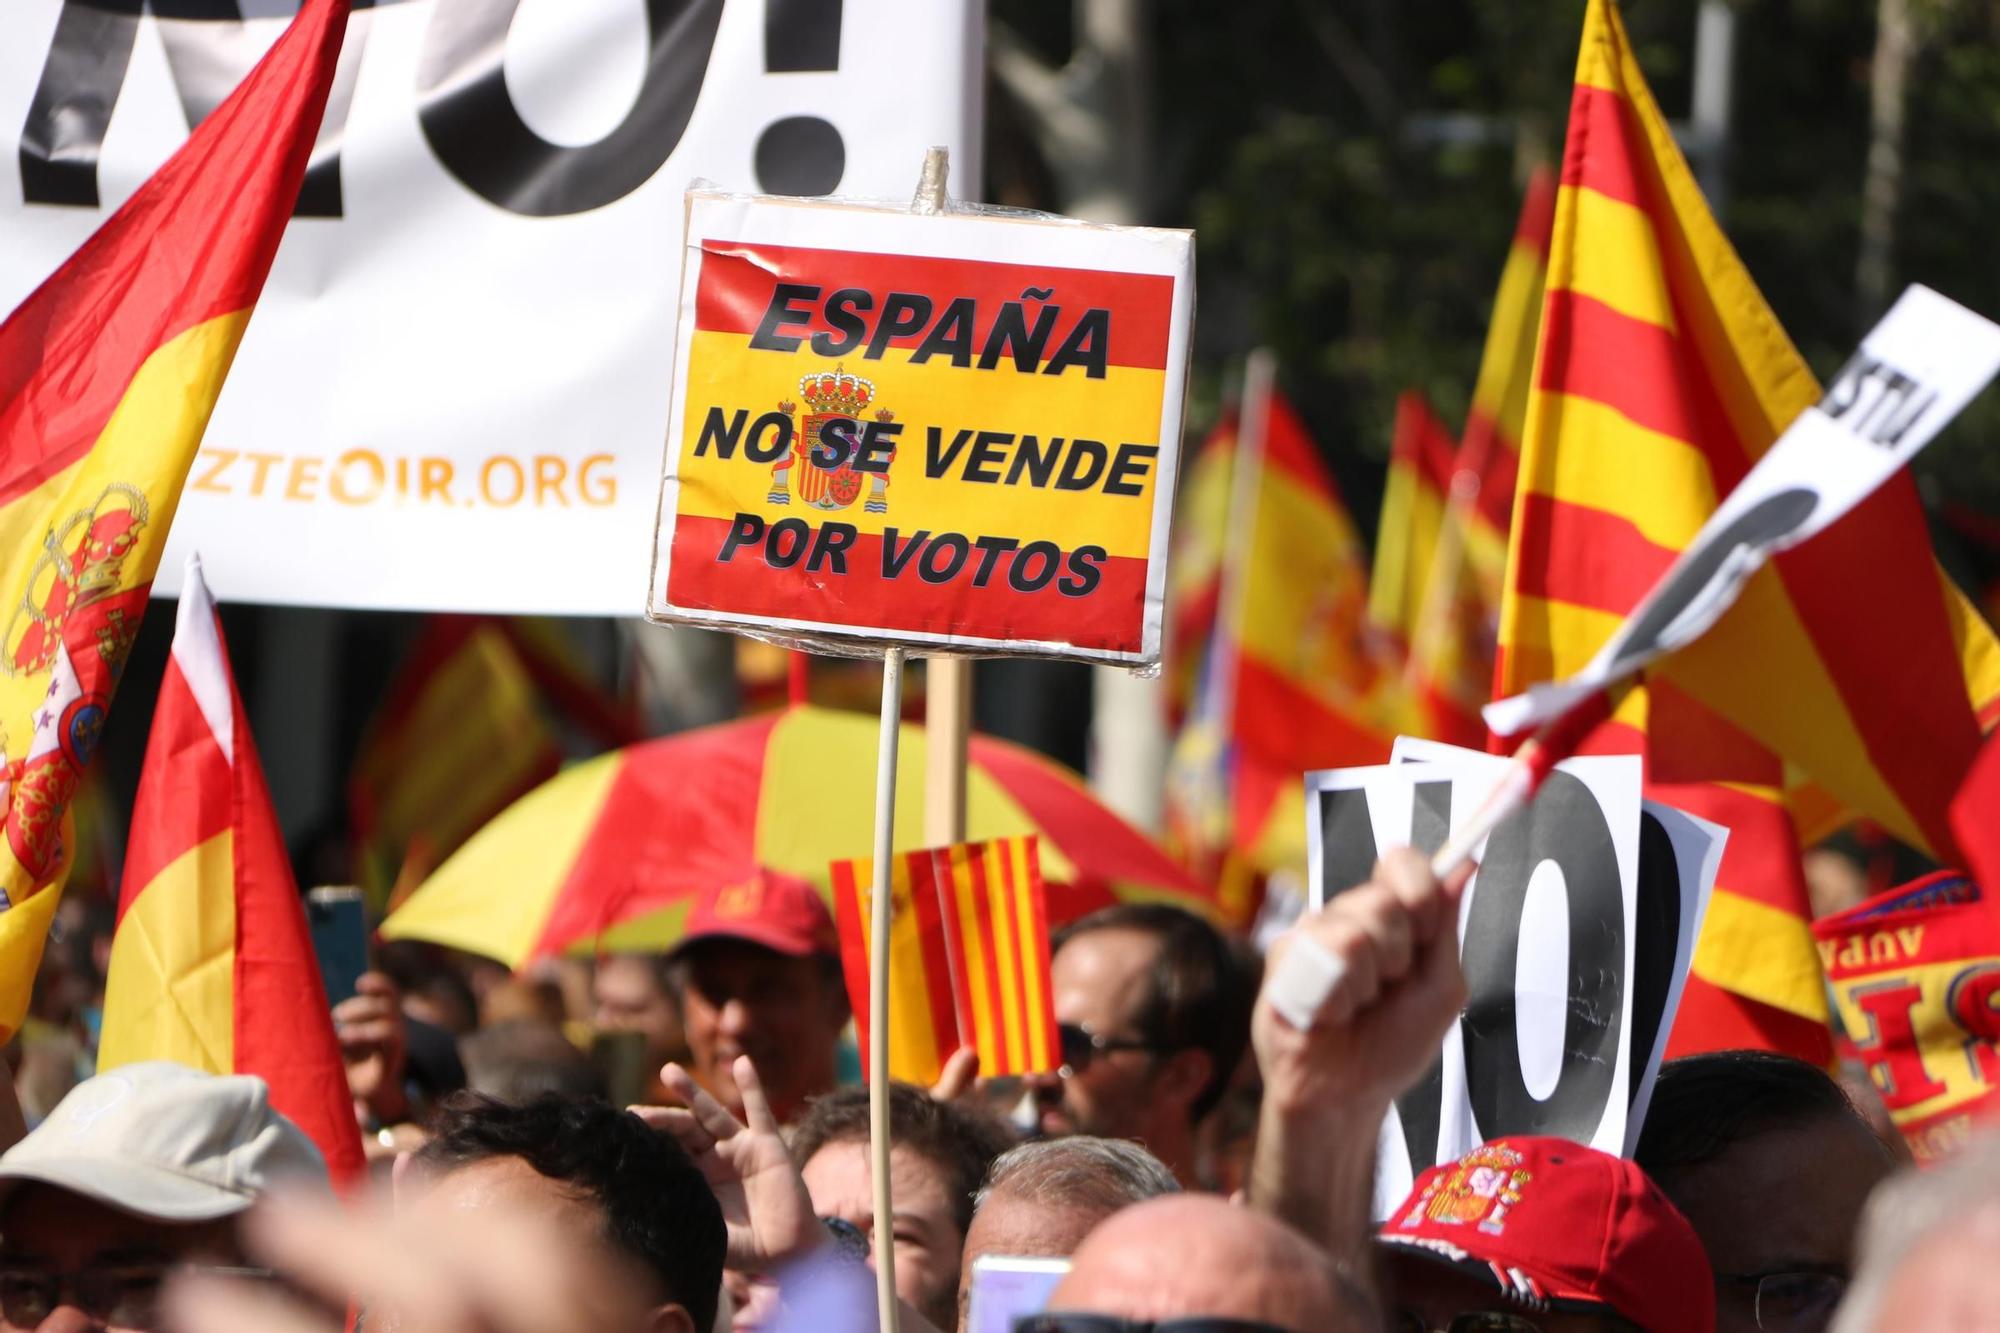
x=1555, y=1225
x=781, y=912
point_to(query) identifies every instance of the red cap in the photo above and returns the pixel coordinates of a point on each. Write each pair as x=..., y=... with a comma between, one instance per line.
x=779, y=911
x=1557, y=1225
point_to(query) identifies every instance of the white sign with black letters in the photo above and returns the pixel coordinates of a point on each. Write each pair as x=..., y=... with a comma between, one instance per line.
x=1573, y=972
x=453, y=395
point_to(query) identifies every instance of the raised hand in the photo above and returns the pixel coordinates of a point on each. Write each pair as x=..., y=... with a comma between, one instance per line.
x=764, y=1201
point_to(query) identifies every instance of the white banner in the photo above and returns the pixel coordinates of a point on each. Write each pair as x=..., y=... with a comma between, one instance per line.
x=1913, y=373
x=454, y=392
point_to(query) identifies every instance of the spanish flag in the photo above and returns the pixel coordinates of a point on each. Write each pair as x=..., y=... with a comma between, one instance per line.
x=212, y=963
x=108, y=373
x=1661, y=376
x=1291, y=679
x=968, y=958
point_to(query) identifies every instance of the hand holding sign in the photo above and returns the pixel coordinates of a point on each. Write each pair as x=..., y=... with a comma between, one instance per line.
x=1329, y=1082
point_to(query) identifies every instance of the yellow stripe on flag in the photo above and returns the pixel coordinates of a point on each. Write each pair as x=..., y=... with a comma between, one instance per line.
x=986, y=1027
x=1624, y=270
x=1760, y=952
x=1659, y=484
x=173, y=961
x=1006, y=948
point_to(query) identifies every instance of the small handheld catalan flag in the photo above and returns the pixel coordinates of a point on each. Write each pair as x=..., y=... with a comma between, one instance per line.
x=968, y=957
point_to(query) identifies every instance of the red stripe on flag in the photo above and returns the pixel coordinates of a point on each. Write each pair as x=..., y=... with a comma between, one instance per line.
x=851, y=924
x=1589, y=557
x=1606, y=147
x=182, y=801
x=1110, y=617
x=283, y=1030
x=1714, y=1019
x=1284, y=726
x=193, y=243
x=982, y=898
x=1044, y=1048
x=1537, y=223
x=739, y=281
x=930, y=881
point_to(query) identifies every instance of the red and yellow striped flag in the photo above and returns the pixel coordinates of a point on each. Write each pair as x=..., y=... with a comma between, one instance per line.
x=1288, y=680
x=968, y=958
x=108, y=374
x=212, y=962
x=1661, y=376
x=1416, y=597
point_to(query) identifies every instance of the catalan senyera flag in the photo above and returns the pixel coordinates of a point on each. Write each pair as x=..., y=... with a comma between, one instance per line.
x=1490, y=448
x=1661, y=376
x=212, y=962
x=1414, y=494
x=1291, y=679
x=1419, y=600
x=108, y=373
x=968, y=958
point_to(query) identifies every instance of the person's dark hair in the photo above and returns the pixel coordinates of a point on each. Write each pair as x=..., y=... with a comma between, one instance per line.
x=958, y=1140
x=657, y=1207
x=523, y=1058
x=1704, y=1105
x=1201, y=995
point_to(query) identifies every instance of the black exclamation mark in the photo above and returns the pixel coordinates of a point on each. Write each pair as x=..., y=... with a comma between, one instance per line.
x=801, y=154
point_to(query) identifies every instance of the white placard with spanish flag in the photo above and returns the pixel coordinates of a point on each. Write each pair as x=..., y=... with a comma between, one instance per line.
x=955, y=430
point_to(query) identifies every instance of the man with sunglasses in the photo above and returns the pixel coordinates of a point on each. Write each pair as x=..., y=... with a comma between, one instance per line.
x=1153, y=1009
x=137, y=1174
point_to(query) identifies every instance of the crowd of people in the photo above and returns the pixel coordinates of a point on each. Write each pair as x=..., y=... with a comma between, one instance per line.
x=1202, y=1162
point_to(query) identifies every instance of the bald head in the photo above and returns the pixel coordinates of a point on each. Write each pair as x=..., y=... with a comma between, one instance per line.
x=1194, y=1255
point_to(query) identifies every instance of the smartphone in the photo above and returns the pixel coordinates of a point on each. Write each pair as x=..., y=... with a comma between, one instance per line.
x=339, y=936
x=1004, y=1288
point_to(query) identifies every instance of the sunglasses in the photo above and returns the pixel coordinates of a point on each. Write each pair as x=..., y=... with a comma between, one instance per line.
x=1106, y=1323
x=1799, y=1302
x=124, y=1295
x=1489, y=1321
x=1080, y=1046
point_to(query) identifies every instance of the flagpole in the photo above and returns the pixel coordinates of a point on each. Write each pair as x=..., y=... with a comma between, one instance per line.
x=878, y=986
x=947, y=680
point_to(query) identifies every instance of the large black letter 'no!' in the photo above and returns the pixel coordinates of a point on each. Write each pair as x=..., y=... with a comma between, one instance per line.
x=480, y=138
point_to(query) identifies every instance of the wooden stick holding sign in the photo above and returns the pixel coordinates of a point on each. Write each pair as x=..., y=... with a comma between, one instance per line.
x=947, y=680
x=878, y=982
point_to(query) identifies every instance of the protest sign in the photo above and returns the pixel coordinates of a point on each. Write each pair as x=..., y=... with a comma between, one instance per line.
x=1679, y=857
x=1916, y=983
x=452, y=396
x=949, y=431
x=1914, y=371
x=1573, y=969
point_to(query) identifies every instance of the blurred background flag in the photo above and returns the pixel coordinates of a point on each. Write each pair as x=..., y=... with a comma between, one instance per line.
x=968, y=961
x=212, y=962
x=108, y=374
x=1287, y=680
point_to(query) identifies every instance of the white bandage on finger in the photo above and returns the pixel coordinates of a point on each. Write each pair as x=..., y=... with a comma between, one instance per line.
x=1305, y=979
